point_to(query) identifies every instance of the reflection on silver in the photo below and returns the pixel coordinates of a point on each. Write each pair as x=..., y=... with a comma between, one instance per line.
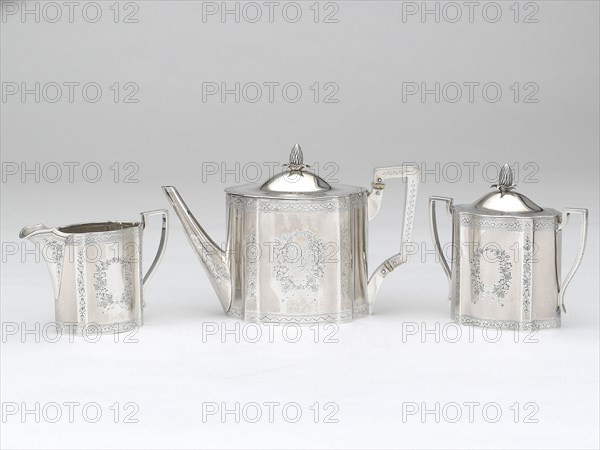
x=296, y=246
x=96, y=272
x=505, y=266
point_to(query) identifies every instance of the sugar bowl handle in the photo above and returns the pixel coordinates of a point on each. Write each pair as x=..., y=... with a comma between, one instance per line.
x=410, y=173
x=566, y=214
x=163, y=239
x=433, y=228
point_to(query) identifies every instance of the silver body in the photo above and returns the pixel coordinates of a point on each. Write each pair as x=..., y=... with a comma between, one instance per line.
x=96, y=272
x=504, y=269
x=298, y=257
x=300, y=261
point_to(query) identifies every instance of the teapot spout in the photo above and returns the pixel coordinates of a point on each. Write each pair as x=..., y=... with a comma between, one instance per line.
x=52, y=246
x=212, y=257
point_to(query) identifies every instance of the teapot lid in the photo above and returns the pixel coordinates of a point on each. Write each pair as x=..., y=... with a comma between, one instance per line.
x=295, y=179
x=295, y=182
x=505, y=199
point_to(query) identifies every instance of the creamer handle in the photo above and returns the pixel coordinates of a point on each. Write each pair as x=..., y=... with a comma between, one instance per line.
x=163, y=239
x=433, y=228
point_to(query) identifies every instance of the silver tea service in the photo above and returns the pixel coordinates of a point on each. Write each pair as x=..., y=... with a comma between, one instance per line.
x=506, y=259
x=296, y=253
x=96, y=271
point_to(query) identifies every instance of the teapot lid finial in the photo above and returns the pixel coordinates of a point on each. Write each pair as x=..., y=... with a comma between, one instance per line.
x=294, y=180
x=296, y=156
x=296, y=159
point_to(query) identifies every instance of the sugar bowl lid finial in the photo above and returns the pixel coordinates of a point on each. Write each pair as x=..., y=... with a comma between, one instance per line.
x=506, y=199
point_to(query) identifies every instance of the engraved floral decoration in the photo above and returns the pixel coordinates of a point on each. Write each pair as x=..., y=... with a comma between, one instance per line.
x=346, y=259
x=54, y=253
x=341, y=317
x=507, y=324
x=81, y=286
x=410, y=210
x=527, y=261
x=251, y=265
x=106, y=300
x=507, y=223
x=495, y=254
x=296, y=206
x=299, y=261
x=218, y=271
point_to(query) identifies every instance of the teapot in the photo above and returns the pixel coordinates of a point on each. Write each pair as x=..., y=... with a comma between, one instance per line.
x=296, y=246
x=506, y=259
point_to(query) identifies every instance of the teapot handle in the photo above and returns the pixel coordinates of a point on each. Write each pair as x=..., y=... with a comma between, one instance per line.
x=163, y=239
x=410, y=173
x=566, y=214
x=433, y=228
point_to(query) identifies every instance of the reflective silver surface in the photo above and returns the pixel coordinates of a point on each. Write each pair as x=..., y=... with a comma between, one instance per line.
x=295, y=180
x=296, y=247
x=505, y=262
x=96, y=272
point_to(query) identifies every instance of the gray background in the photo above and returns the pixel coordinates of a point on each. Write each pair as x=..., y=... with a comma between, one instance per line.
x=171, y=132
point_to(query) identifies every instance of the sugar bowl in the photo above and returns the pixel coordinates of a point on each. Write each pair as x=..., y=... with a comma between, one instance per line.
x=506, y=259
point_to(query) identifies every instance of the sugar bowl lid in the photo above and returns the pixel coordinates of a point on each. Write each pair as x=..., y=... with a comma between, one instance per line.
x=505, y=199
x=295, y=182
